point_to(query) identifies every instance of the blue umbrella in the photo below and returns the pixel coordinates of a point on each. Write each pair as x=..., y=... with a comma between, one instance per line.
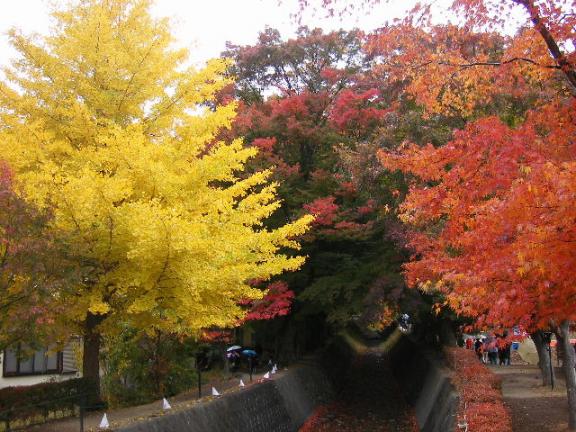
x=249, y=353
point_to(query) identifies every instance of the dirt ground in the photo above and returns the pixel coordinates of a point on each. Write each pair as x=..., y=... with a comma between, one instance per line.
x=533, y=407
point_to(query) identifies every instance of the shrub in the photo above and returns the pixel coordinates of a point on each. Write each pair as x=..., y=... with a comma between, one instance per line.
x=140, y=368
x=40, y=400
x=481, y=404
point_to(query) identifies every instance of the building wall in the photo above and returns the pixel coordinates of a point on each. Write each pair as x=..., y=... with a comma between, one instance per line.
x=69, y=370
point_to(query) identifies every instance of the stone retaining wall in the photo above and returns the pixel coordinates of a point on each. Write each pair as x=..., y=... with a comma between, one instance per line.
x=427, y=386
x=281, y=404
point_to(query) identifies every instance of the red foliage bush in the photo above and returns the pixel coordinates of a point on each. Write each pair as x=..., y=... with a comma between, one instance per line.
x=324, y=210
x=277, y=302
x=481, y=404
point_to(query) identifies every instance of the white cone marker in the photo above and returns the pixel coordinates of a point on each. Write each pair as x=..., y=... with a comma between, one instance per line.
x=242, y=383
x=215, y=392
x=266, y=375
x=165, y=404
x=104, y=423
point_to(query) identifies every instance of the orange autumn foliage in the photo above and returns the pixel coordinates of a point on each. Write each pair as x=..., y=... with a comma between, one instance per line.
x=491, y=212
x=492, y=217
x=497, y=49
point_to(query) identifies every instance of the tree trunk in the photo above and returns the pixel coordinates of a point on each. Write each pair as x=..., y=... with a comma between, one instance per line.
x=543, y=357
x=447, y=334
x=306, y=158
x=223, y=355
x=569, y=373
x=157, y=365
x=560, y=357
x=92, y=342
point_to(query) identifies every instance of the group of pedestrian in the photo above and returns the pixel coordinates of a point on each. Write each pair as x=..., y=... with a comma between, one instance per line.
x=493, y=349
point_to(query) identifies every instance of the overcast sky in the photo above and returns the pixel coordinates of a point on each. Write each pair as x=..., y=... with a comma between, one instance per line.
x=203, y=26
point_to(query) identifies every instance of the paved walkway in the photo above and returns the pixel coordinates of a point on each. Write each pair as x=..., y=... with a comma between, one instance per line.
x=533, y=408
x=124, y=416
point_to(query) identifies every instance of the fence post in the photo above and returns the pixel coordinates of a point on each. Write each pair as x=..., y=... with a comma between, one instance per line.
x=82, y=403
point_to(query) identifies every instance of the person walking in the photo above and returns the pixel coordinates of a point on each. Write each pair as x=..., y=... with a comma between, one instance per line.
x=501, y=344
x=479, y=348
x=485, y=350
x=493, y=351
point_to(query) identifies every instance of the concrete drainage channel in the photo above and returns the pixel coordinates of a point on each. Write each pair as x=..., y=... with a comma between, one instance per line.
x=427, y=386
x=419, y=376
x=284, y=403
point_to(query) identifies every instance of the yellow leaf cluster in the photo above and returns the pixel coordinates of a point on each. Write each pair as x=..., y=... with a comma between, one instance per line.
x=103, y=123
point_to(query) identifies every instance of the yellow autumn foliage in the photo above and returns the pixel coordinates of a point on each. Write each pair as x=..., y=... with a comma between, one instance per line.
x=103, y=122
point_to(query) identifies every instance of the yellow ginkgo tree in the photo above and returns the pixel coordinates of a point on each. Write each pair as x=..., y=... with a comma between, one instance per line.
x=104, y=124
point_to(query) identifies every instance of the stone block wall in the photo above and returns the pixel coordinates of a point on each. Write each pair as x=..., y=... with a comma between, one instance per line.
x=427, y=386
x=281, y=404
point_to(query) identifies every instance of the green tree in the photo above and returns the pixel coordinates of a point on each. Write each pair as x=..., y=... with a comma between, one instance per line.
x=312, y=105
